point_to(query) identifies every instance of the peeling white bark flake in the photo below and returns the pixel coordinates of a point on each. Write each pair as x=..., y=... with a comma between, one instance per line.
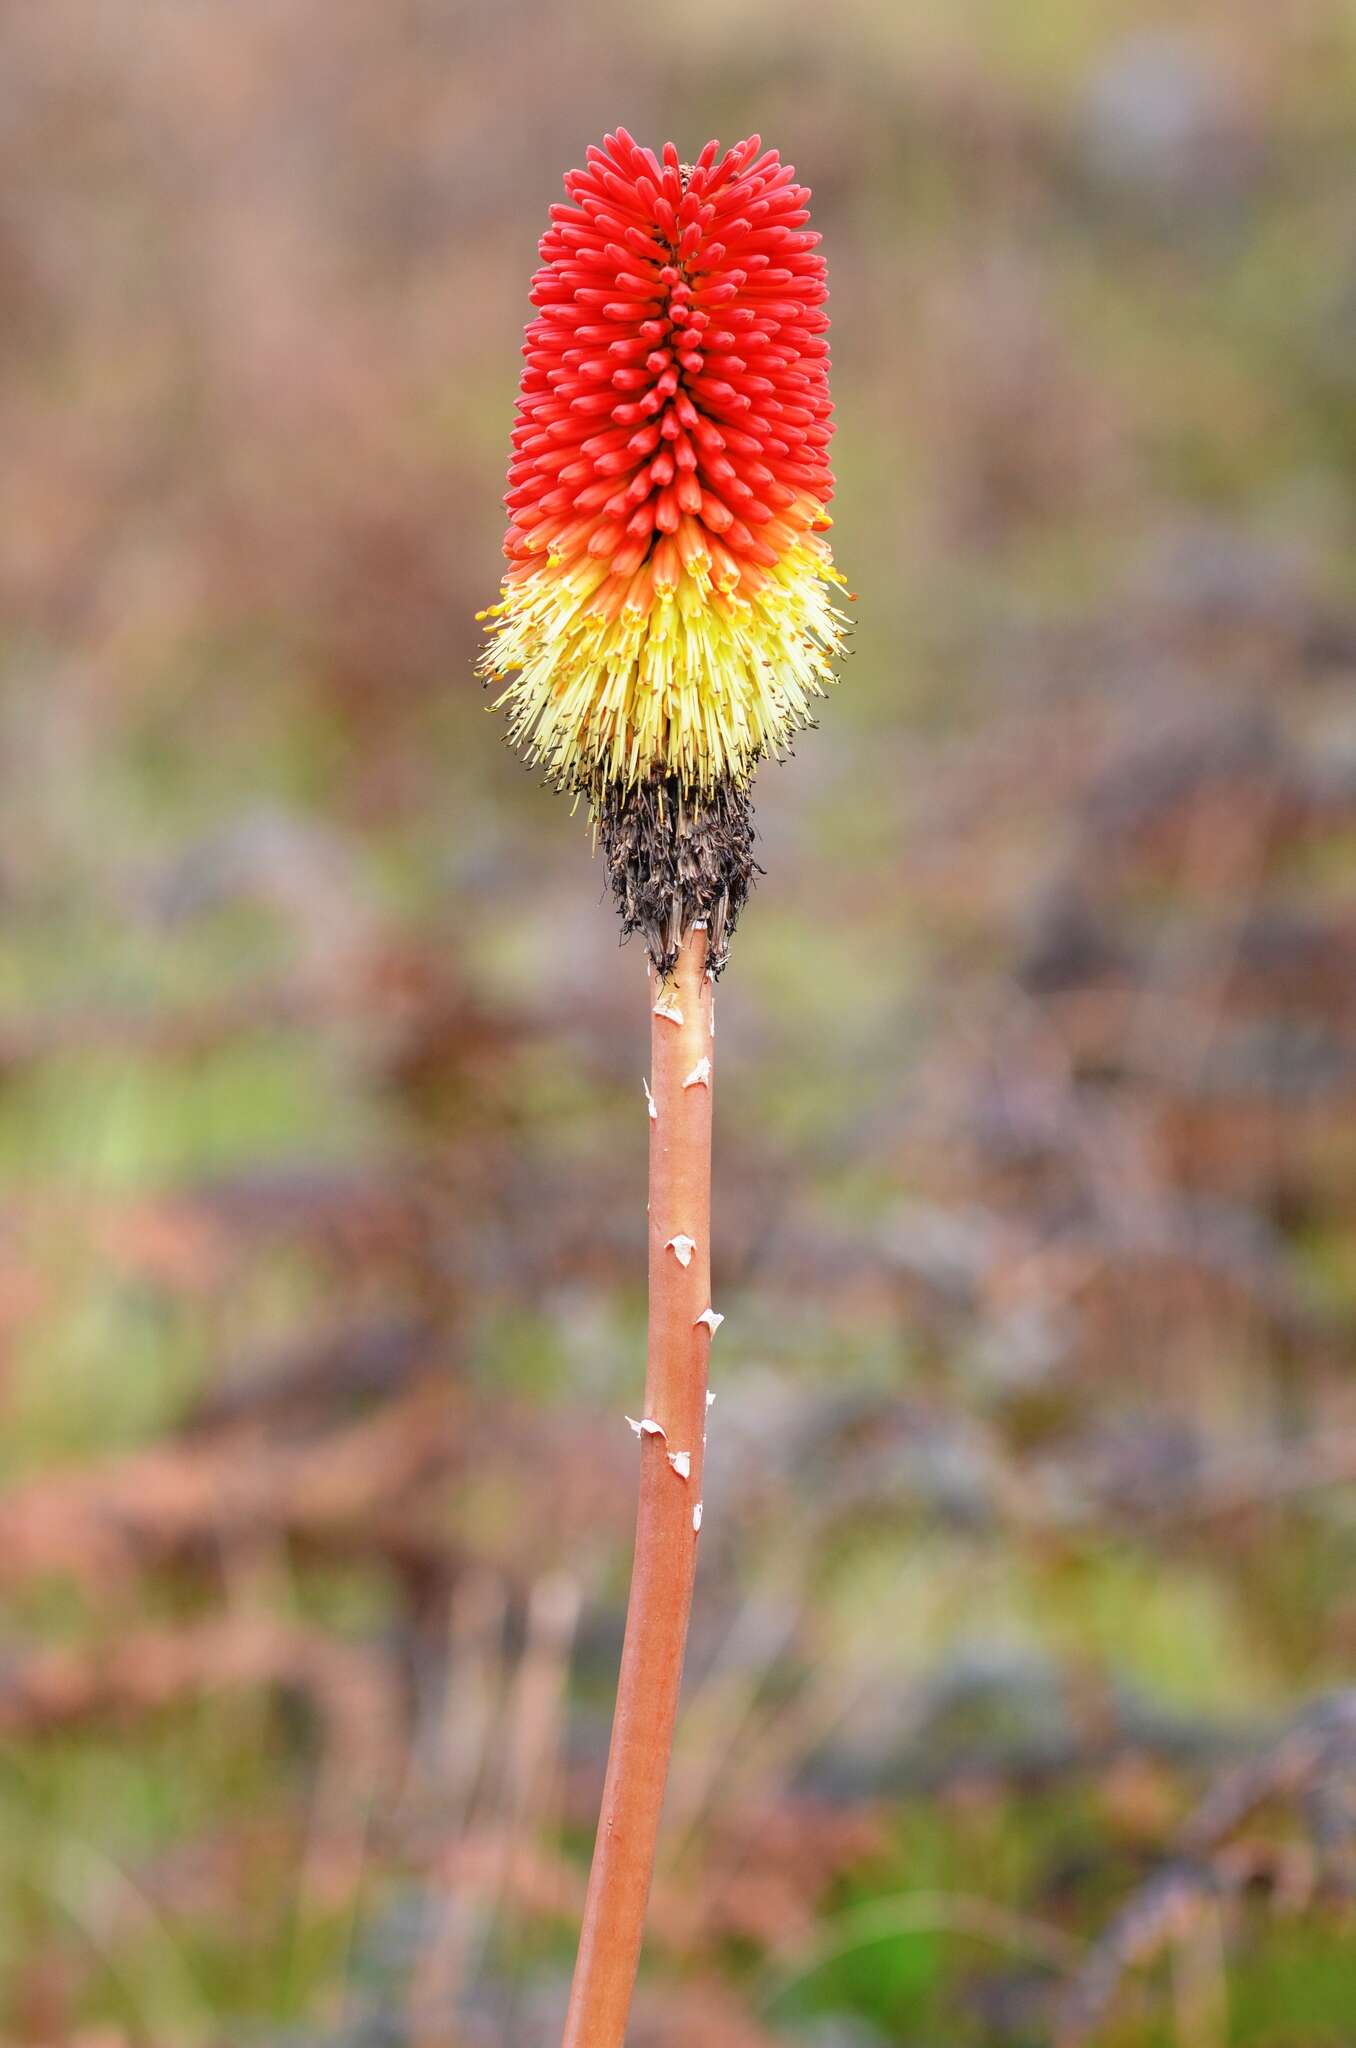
x=700, y=1077
x=682, y=1248
x=713, y=1321
x=647, y=1426
x=697, y=1517
x=649, y=1100
x=665, y=1007
x=681, y=1462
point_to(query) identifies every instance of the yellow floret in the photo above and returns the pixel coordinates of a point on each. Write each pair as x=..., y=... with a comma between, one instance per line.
x=689, y=678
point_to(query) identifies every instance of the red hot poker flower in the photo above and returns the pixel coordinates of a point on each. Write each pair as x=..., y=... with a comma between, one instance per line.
x=666, y=617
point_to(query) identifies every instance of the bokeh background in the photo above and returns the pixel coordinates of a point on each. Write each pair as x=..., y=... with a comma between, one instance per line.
x=1016, y=1708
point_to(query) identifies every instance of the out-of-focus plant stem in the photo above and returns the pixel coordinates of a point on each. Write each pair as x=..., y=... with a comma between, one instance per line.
x=671, y=1442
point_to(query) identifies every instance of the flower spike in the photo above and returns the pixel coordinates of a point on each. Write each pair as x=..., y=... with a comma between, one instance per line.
x=667, y=618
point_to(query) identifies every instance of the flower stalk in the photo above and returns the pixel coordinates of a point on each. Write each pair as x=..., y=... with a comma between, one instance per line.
x=672, y=1442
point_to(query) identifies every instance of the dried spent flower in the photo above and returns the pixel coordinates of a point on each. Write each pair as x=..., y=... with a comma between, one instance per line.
x=667, y=618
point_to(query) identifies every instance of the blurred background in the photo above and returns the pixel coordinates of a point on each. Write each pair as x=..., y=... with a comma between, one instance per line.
x=1016, y=1709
